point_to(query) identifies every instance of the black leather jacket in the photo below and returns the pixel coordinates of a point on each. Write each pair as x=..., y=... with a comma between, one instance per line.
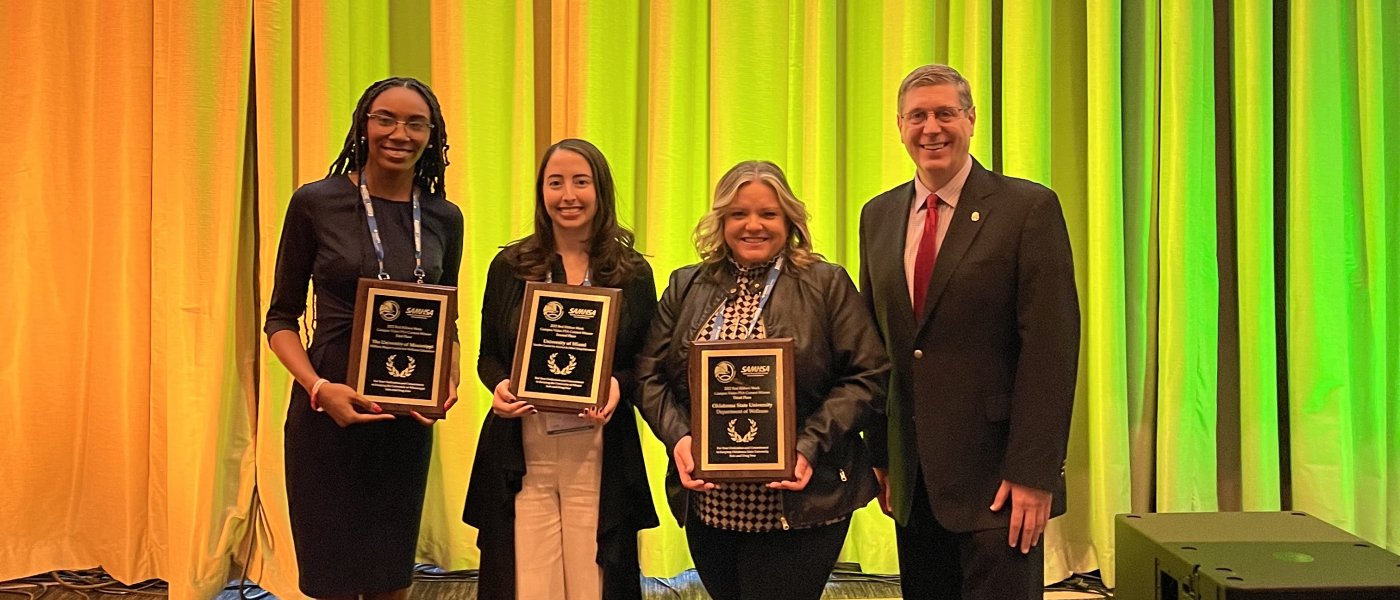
x=841, y=370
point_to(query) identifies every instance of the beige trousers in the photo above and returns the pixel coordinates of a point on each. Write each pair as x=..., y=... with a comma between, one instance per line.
x=556, y=514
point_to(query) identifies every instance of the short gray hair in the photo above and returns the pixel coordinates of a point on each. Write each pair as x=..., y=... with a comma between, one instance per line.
x=935, y=75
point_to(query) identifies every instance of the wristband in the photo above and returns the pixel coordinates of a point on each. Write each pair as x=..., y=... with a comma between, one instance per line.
x=316, y=387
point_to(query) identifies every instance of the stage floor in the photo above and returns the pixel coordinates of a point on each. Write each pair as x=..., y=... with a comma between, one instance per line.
x=847, y=582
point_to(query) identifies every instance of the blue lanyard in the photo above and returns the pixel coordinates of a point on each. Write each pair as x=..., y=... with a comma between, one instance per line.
x=718, y=325
x=374, y=232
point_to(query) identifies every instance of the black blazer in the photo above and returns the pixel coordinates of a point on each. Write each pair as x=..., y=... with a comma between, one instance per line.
x=625, y=497
x=983, y=381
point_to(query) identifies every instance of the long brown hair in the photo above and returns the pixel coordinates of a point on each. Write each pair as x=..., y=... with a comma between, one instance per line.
x=611, y=253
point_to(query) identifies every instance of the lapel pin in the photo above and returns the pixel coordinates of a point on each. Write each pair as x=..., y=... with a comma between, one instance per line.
x=976, y=216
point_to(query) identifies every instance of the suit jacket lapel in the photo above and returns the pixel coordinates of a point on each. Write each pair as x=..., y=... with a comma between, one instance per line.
x=961, y=231
x=888, y=252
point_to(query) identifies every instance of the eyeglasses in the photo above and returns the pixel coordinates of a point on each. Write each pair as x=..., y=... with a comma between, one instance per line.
x=416, y=127
x=947, y=114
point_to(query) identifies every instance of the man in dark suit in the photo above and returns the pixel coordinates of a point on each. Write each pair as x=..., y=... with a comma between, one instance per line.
x=969, y=276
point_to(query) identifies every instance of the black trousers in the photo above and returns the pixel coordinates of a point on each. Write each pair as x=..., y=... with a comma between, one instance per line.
x=937, y=564
x=791, y=564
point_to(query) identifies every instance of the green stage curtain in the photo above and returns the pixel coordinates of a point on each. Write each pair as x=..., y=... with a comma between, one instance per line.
x=1226, y=169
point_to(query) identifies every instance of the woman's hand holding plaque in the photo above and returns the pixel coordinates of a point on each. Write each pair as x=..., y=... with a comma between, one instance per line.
x=341, y=402
x=801, y=474
x=601, y=416
x=685, y=465
x=505, y=405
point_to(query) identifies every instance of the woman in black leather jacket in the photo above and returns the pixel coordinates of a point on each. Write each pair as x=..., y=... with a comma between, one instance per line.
x=779, y=539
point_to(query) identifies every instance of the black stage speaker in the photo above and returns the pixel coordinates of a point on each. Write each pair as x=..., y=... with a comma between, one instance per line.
x=1248, y=556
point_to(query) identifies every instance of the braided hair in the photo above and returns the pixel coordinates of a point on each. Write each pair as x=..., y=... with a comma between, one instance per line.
x=428, y=172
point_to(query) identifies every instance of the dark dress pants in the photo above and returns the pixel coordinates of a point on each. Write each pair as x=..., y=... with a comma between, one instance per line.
x=937, y=564
x=791, y=564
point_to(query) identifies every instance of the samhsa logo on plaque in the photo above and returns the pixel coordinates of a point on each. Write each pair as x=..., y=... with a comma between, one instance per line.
x=401, y=345
x=742, y=409
x=402, y=355
x=563, y=355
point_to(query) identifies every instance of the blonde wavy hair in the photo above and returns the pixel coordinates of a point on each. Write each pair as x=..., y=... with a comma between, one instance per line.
x=709, y=232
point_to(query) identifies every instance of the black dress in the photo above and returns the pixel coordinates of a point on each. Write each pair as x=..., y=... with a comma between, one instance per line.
x=625, y=505
x=355, y=494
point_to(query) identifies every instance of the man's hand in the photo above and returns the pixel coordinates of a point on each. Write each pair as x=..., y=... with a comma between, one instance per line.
x=1030, y=510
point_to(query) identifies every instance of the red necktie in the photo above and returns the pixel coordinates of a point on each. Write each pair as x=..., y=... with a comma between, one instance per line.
x=928, y=253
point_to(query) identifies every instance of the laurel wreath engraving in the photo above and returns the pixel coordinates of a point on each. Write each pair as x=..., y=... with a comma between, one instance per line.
x=564, y=370
x=747, y=437
x=395, y=372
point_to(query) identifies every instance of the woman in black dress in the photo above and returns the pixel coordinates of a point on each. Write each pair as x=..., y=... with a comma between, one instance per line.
x=355, y=476
x=559, y=508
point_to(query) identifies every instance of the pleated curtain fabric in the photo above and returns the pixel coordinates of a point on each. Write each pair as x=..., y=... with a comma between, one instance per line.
x=1225, y=168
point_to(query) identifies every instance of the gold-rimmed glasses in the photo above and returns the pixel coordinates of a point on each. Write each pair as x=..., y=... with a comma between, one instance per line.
x=944, y=115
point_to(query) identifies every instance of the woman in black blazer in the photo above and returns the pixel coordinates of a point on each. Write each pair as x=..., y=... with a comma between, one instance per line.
x=581, y=496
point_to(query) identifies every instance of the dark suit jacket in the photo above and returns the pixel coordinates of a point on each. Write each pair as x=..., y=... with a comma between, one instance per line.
x=983, y=380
